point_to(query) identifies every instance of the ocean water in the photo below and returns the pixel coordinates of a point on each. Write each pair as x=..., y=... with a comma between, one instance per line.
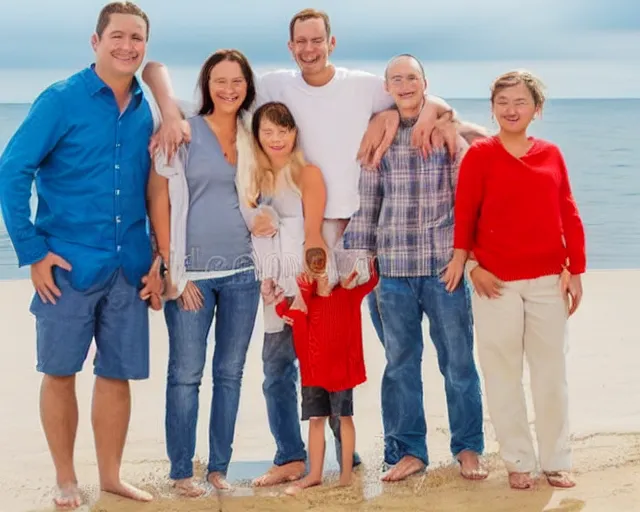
x=599, y=138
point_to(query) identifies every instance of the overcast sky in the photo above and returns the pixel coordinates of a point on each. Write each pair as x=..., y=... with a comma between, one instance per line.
x=37, y=34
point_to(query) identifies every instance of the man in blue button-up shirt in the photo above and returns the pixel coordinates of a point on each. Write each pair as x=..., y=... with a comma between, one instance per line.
x=85, y=143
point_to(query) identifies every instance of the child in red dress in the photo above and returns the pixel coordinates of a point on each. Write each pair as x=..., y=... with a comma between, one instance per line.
x=328, y=342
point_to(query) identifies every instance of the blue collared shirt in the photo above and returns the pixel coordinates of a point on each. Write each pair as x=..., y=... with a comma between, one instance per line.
x=90, y=163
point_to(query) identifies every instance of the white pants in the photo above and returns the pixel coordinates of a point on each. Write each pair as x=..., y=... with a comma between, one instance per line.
x=529, y=318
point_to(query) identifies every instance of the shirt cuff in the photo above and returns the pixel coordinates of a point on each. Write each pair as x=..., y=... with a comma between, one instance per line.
x=31, y=251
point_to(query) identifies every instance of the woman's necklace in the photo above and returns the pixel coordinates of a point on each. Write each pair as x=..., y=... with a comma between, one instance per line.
x=227, y=142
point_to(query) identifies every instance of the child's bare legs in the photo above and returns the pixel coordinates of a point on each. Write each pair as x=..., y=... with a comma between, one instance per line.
x=316, y=449
x=348, y=439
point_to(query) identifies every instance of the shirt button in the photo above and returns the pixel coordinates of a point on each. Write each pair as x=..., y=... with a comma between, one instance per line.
x=118, y=145
x=118, y=192
x=119, y=248
x=117, y=166
x=118, y=219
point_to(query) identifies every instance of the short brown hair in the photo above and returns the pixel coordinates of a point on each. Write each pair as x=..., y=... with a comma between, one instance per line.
x=119, y=8
x=309, y=14
x=533, y=83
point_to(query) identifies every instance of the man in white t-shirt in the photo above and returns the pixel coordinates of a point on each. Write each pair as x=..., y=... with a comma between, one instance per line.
x=332, y=107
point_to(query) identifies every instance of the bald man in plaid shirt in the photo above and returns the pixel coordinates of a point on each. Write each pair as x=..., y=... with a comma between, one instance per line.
x=406, y=220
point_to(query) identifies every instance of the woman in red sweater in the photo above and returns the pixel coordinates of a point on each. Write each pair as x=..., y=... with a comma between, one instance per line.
x=517, y=220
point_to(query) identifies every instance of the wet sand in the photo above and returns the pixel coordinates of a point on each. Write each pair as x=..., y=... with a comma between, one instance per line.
x=605, y=424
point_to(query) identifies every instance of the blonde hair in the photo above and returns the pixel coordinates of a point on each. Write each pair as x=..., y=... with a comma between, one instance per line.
x=263, y=176
x=532, y=82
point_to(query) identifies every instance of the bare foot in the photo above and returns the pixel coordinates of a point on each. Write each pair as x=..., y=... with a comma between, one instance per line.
x=219, y=482
x=281, y=474
x=407, y=466
x=188, y=488
x=561, y=479
x=521, y=481
x=305, y=483
x=470, y=467
x=68, y=497
x=127, y=491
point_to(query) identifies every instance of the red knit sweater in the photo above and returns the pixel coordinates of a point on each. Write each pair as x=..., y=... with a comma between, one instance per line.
x=328, y=339
x=518, y=216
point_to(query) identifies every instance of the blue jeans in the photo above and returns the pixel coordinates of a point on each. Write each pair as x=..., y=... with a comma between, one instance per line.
x=234, y=301
x=374, y=313
x=281, y=394
x=402, y=302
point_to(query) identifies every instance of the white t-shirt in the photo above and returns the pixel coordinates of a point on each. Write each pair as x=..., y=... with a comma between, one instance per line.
x=332, y=120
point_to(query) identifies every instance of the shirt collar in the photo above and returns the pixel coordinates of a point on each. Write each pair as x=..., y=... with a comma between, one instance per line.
x=95, y=84
x=408, y=122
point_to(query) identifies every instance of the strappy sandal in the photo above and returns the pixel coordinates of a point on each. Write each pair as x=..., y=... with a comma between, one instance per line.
x=525, y=481
x=560, y=479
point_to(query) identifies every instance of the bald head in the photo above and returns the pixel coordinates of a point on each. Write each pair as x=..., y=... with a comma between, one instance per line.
x=403, y=60
x=405, y=81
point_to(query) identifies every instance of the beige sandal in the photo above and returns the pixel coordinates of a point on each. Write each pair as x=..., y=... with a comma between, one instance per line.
x=560, y=479
x=521, y=481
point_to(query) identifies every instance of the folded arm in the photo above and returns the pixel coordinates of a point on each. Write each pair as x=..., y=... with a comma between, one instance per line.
x=42, y=129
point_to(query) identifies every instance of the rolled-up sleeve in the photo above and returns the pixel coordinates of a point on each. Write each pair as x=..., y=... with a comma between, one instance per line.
x=36, y=137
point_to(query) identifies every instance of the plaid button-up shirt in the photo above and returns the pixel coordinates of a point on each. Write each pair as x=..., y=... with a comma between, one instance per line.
x=406, y=208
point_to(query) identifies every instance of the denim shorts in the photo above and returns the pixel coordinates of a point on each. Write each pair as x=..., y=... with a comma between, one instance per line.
x=319, y=403
x=111, y=312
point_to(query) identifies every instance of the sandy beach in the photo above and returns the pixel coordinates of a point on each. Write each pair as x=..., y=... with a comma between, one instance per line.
x=604, y=411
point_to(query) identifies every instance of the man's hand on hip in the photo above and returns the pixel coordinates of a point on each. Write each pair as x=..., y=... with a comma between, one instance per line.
x=42, y=277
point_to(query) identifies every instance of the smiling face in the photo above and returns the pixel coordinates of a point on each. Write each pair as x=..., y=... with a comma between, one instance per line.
x=121, y=47
x=277, y=142
x=227, y=86
x=311, y=46
x=514, y=108
x=406, y=83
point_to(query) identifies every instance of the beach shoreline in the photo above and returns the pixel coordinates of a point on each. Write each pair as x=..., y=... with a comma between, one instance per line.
x=604, y=416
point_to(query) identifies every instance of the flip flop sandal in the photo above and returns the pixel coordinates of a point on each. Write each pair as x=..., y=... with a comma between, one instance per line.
x=560, y=479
